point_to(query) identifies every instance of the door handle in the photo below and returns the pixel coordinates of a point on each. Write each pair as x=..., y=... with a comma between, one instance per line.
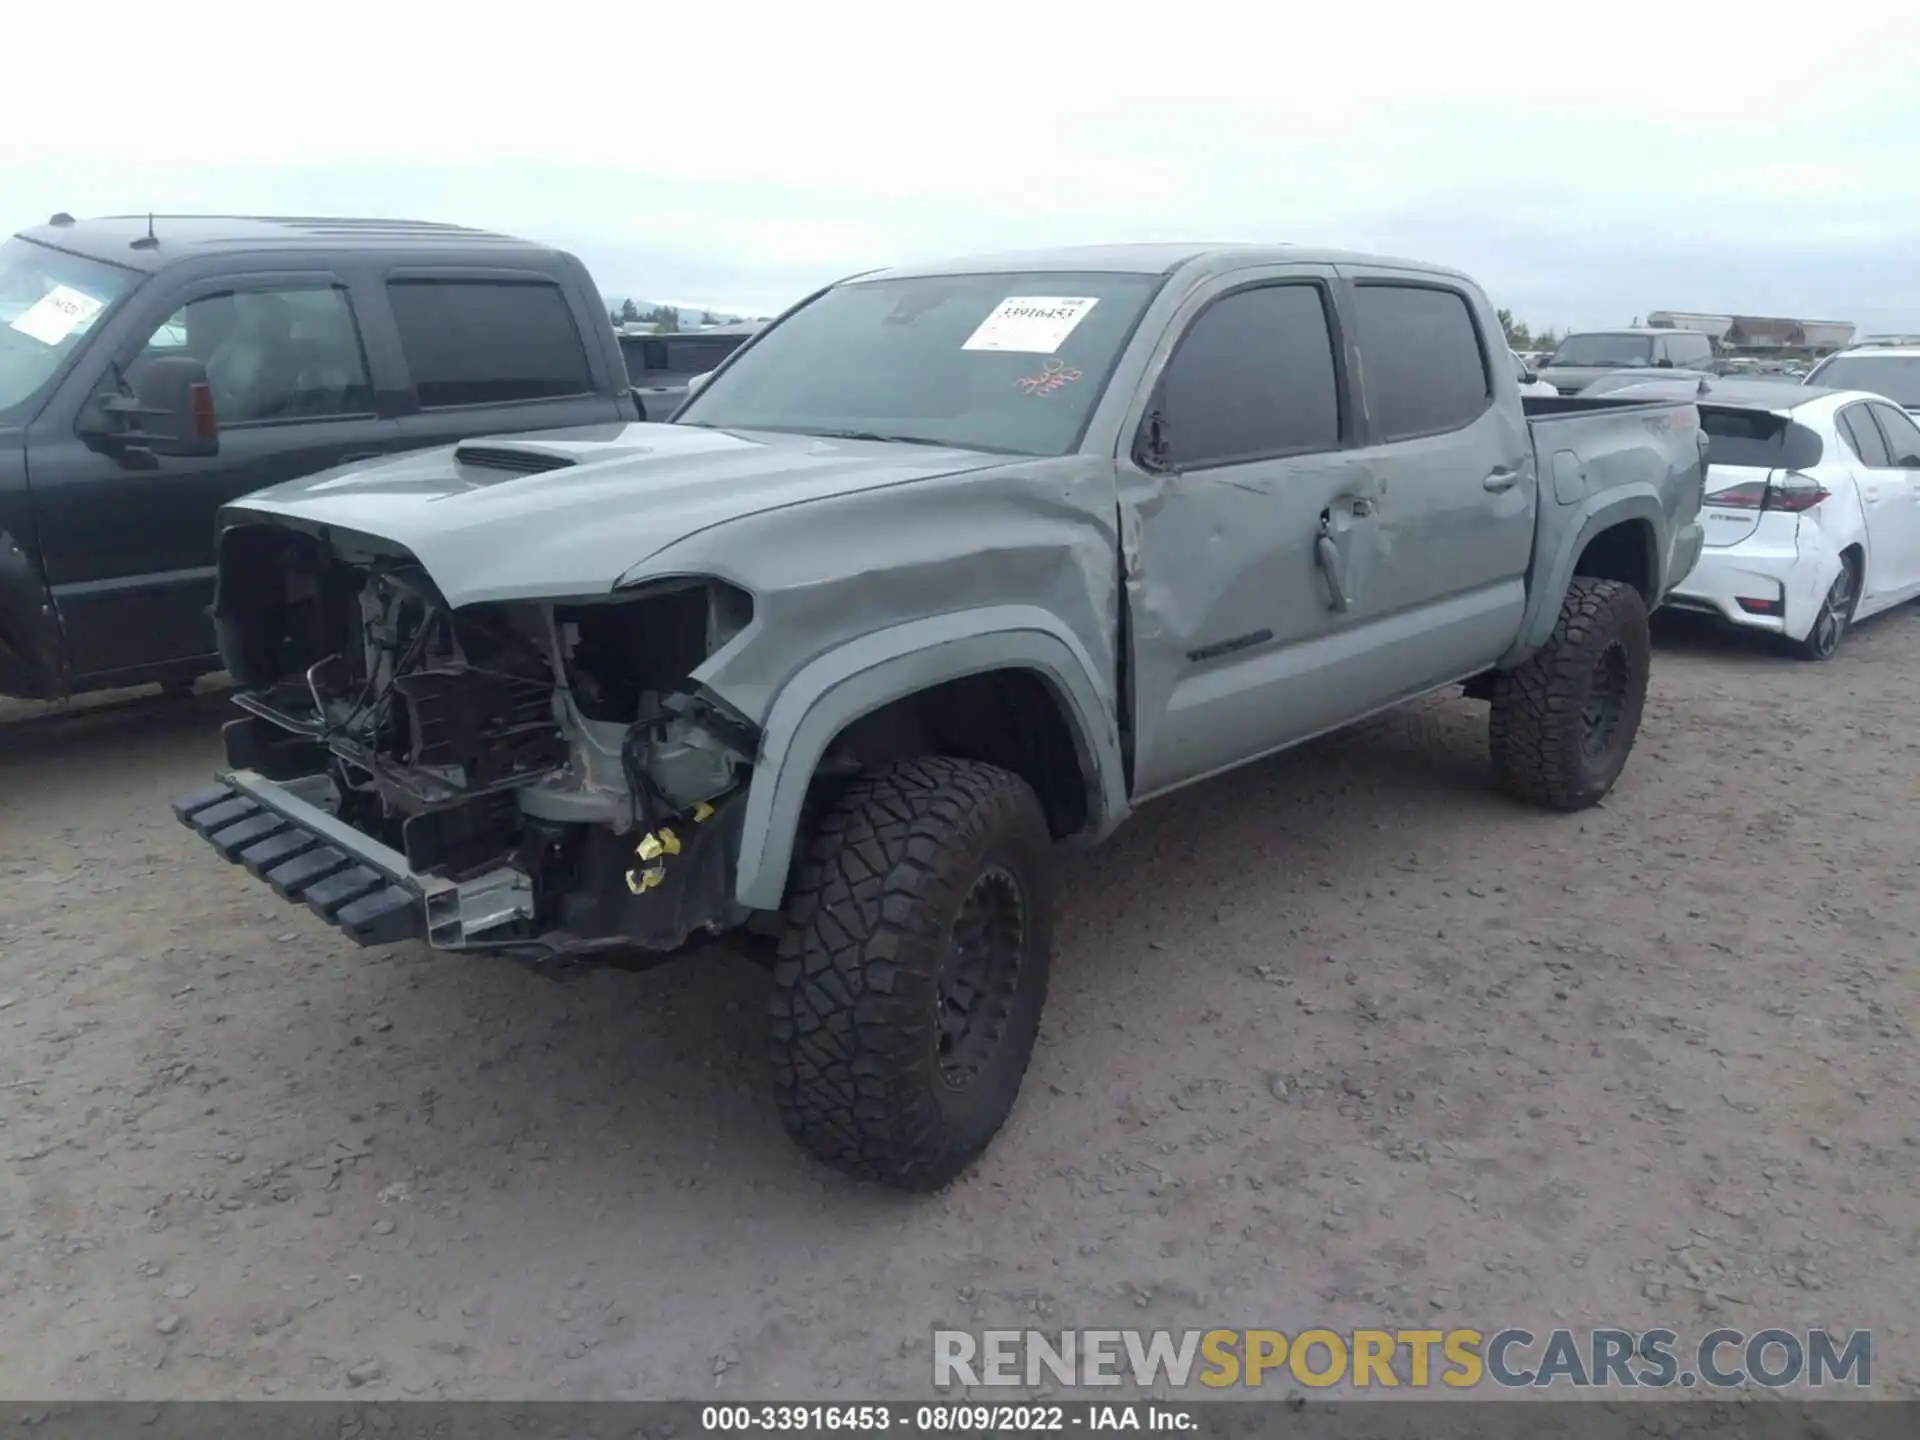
x=1501, y=479
x=1327, y=554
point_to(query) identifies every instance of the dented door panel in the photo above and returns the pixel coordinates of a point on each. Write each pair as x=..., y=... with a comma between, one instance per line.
x=1247, y=582
x=1231, y=612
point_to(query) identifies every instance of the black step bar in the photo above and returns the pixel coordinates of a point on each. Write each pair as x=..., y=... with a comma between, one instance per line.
x=348, y=879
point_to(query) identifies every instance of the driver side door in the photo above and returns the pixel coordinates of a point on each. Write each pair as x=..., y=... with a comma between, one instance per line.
x=1227, y=604
x=128, y=540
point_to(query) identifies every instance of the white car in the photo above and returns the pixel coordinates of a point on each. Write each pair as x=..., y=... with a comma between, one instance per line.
x=1812, y=510
x=1889, y=367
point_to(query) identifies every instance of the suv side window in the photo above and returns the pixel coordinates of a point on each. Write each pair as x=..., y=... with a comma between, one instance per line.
x=1864, y=438
x=270, y=354
x=489, y=342
x=1253, y=378
x=1424, y=366
x=1902, y=435
x=1684, y=351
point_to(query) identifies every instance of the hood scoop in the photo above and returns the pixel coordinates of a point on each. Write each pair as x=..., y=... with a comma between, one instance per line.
x=511, y=460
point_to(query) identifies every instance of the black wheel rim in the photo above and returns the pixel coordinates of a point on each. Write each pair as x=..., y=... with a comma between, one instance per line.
x=1606, y=705
x=980, y=973
x=1831, y=623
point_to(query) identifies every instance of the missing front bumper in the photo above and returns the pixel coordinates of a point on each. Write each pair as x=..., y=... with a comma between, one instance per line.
x=352, y=881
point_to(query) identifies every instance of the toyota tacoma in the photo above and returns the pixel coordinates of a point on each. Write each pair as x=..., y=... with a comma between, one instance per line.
x=945, y=566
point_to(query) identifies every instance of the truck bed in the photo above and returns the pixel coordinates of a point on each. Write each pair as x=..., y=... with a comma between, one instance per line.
x=1602, y=460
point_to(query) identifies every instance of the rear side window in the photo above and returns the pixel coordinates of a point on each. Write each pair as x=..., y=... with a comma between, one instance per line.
x=1758, y=439
x=1863, y=438
x=471, y=342
x=1253, y=378
x=1902, y=435
x=1690, y=352
x=1421, y=359
x=1895, y=376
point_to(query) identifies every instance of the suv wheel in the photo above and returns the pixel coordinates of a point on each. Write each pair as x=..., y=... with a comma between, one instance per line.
x=1836, y=613
x=1564, y=723
x=912, y=970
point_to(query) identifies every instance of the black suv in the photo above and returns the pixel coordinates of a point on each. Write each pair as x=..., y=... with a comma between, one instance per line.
x=153, y=368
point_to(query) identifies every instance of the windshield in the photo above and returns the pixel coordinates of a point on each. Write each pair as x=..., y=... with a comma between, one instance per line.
x=1007, y=363
x=48, y=301
x=1603, y=350
x=1895, y=376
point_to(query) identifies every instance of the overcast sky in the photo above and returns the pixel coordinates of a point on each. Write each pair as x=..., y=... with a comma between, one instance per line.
x=1587, y=163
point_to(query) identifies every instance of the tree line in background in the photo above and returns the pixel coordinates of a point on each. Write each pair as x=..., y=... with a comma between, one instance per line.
x=664, y=318
x=1519, y=337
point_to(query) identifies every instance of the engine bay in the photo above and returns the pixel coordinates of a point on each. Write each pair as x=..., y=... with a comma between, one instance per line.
x=566, y=742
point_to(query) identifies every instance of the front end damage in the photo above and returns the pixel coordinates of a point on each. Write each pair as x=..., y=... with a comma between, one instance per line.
x=546, y=778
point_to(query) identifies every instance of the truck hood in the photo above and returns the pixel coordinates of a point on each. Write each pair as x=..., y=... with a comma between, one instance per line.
x=569, y=512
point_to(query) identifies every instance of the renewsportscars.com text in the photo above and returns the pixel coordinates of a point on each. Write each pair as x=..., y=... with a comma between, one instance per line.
x=1512, y=1358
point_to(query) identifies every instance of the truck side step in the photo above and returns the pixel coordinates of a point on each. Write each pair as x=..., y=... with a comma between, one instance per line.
x=363, y=894
x=388, y=914
x=326, y=897
x=291, y=879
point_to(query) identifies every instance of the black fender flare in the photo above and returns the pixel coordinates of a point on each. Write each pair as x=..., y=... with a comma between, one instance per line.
x=33, y=644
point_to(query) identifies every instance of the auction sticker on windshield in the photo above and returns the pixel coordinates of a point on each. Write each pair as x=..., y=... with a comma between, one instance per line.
x=1030, y=324
x=57, y=314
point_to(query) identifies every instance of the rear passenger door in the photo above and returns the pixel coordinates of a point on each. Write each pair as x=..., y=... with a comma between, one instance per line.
x=491, y=352
x=1883, y=504
x=1902, y=486
x=1451, y=460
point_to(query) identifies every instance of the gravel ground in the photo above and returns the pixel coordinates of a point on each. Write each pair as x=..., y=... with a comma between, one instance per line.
x=1344, y=1039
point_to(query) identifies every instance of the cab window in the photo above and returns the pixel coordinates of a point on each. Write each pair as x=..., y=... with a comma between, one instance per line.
x=270, y=355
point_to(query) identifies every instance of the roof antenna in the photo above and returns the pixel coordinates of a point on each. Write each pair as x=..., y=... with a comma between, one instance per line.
x=148, y=241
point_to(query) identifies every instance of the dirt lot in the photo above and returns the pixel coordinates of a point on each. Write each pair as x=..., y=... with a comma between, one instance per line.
x=1343, y=1040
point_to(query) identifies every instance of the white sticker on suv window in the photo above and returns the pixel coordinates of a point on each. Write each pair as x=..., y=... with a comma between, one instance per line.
x=1030, y=324
x=57, y=314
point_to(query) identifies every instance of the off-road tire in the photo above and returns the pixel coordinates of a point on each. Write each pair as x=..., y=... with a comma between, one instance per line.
x=854, y=1038
x=1540, y=728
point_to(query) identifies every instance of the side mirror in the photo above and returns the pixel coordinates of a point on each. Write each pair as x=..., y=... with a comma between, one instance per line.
x=694, y=382
x=1663, y=363
x=1151, y=451
x=1527, y=376
x=172, y=413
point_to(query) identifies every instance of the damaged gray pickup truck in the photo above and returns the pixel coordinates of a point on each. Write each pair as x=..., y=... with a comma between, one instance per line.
x=946, y=565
